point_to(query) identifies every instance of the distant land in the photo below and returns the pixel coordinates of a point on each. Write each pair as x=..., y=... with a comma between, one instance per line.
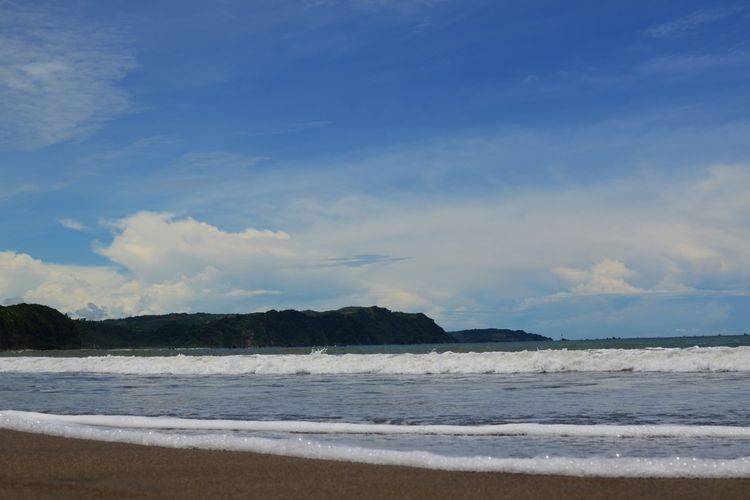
x=33, y=326
x=494, y=335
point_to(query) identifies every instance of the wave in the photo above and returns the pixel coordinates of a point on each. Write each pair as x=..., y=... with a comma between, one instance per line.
x=307, y=427
x=124, y=429
x=694, y=359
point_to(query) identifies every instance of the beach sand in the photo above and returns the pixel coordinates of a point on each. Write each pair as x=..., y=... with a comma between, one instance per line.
x=37, y=466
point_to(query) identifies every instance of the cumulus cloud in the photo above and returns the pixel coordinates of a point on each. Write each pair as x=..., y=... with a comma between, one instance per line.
x=66, y=287
x=57, y=78
x=91, y=312
x=161, y=246
x=606, y=277
x=170, y=264
x=640, y=237
x=467, y=256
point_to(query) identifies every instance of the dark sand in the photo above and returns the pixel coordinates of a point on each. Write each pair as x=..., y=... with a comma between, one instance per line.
x=37, y=466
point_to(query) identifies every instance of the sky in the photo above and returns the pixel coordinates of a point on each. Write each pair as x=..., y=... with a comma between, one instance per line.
x=571, y=168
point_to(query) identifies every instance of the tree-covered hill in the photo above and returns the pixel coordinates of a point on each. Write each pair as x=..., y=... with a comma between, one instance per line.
x=347, y=326
x=33, y=326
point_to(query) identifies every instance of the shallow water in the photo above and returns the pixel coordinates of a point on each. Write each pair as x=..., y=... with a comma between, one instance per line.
x=712, y=393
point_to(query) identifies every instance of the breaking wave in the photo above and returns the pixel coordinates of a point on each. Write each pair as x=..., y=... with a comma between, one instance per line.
x=307, y=427
x=694, y=359
x=140, y=430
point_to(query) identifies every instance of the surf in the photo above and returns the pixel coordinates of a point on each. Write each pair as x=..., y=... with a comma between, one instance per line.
x=135, y=430
x=665, y=360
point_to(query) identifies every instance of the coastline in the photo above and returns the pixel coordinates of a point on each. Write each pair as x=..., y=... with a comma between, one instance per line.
x=40, y=466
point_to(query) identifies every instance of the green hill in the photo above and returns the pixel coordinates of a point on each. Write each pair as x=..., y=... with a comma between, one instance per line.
x=33, y=326
x=347, y=326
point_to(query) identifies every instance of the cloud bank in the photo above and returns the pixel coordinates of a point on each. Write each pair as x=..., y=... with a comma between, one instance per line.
x=507, y=252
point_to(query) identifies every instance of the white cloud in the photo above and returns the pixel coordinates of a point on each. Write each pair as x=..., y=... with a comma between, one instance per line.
x=160, y=246
x=57, y=78
x=637, y=238
x=690, y=23
x=66, y=287
x=607, y=277
x=170, y=264
x=719, y=197
x=72, y=224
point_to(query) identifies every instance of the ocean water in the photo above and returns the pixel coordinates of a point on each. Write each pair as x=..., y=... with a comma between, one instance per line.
x=635, y=407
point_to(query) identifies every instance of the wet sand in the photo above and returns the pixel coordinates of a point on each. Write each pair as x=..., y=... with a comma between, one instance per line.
x=37, y=466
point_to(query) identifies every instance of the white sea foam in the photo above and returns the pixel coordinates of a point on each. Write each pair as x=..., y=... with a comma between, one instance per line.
x=80, y=427
x=694, y=359
x=306, y=427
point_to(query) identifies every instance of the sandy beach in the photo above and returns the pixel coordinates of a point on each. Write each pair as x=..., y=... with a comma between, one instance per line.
x=38, y=466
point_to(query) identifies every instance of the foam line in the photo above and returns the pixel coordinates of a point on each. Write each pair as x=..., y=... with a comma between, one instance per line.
x=694, y=359
x=306, y=427
x=299, y=447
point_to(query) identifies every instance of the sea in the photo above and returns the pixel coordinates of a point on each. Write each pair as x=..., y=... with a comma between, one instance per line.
x=649, y=407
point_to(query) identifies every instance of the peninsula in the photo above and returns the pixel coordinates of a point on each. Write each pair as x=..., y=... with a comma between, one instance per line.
x=33, y=326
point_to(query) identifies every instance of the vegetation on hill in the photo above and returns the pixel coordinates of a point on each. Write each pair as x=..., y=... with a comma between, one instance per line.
x=347, y=326
x=495, y=335
x=33, y=326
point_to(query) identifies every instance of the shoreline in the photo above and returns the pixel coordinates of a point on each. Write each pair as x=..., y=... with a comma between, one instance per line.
x=41, y=466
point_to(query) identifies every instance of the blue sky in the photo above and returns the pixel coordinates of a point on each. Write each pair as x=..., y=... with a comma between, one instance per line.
x=577, y=168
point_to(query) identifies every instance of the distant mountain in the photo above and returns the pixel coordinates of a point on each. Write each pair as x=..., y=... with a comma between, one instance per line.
x=347, y=326
x=495, y=335
x=33, y=326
